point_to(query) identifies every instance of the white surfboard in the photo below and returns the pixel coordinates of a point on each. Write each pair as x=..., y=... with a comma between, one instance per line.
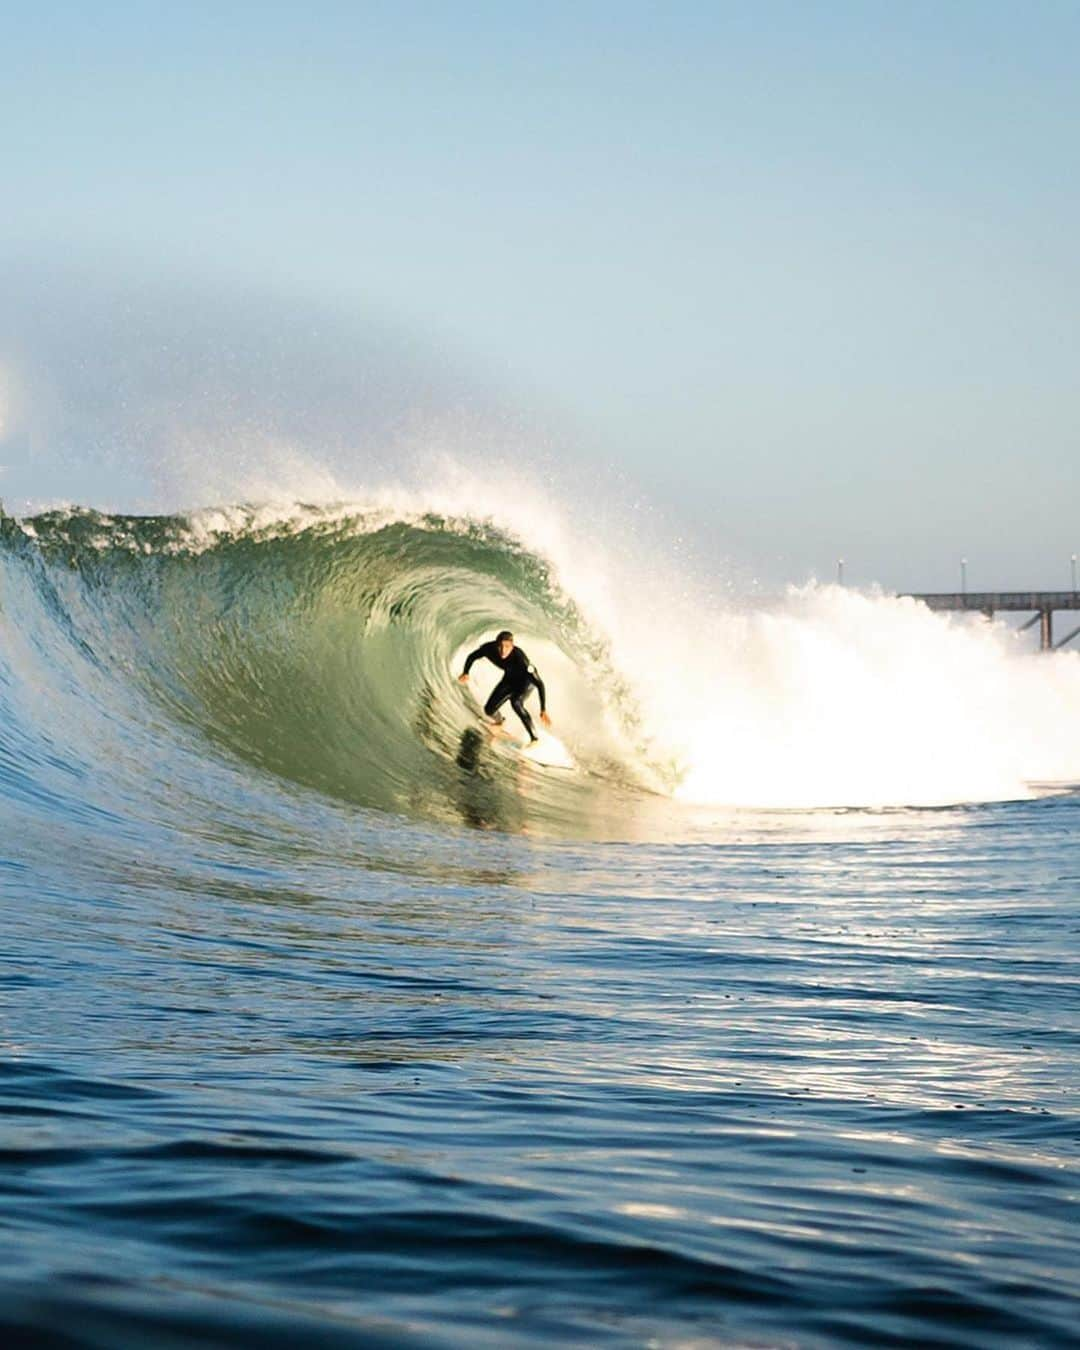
x=548, y=751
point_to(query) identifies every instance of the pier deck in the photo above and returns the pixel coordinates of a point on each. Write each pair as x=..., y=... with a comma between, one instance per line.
x=1043, y=603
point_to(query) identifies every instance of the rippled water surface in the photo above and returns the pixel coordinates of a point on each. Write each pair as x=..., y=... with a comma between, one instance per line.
x=812, y=1083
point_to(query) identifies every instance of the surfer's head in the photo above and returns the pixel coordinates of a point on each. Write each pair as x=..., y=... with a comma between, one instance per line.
x=505, y=643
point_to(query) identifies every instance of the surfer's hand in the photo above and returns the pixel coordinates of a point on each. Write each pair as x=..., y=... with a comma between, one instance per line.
x=463, y=678
x=545, y=719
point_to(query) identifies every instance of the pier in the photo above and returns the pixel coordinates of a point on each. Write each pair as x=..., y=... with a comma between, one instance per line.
x=1043, y=603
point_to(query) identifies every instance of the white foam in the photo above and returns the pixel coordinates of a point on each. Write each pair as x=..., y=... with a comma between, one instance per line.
x=838, y=697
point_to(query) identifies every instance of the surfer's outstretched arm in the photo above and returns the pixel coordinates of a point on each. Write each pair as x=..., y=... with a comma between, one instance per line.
x=473, y=657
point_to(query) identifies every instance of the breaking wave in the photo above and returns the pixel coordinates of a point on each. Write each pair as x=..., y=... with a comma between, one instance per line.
x=315, y=649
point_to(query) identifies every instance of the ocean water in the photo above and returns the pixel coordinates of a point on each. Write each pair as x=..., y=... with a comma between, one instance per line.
x=327, y=1020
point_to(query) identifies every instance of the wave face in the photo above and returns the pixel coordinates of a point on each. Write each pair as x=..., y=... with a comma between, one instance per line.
x=318, y=648
x=315, y=648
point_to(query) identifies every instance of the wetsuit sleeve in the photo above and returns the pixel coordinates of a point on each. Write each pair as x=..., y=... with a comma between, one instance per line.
x=534, y=675
x=475, y=656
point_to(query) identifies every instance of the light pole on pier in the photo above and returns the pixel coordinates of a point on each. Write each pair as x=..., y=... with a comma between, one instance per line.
x=1072, y=560
x=963, y=576
x=840, y=572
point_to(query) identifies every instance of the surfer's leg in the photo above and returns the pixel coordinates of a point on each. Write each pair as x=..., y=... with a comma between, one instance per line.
x=517, y=702
x=497, y=698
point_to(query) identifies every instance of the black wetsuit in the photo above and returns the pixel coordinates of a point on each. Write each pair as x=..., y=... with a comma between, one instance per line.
x=518, y=674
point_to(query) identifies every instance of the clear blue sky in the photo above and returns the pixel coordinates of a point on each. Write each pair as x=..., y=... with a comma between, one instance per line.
x=806, y=273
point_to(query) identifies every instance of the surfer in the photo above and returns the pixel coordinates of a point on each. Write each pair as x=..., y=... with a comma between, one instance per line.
x=518, y=674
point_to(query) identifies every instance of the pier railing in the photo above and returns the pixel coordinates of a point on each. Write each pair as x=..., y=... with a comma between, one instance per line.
x=1043, y=603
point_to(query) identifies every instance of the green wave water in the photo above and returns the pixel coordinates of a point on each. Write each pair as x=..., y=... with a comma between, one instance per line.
x=320, y=648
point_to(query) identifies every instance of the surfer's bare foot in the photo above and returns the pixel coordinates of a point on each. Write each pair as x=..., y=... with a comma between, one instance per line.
x=535, y=740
